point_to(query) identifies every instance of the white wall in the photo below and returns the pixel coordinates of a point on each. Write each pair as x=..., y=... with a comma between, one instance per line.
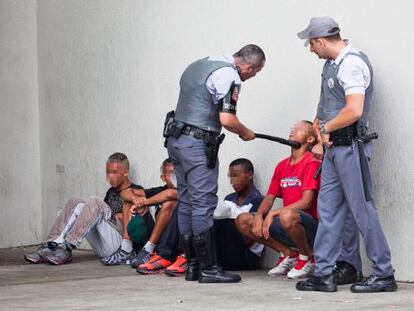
x=109, y=71
x=20, y=205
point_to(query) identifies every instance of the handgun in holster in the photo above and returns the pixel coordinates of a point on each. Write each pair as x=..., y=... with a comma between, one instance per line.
x=213, y=143
x=171, y=127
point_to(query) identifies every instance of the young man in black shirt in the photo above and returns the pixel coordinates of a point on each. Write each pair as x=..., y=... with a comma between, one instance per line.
x=158, y=208
x=97, y=220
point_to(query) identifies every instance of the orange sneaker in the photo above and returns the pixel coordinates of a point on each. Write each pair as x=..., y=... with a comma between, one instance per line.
x=179, y=265
x=155, y=265
x=178, y=268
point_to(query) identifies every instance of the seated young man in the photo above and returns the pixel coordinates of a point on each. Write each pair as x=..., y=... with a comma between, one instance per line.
x=97, y=220
x=233, y=251
x=158, y=208
x=291, y=229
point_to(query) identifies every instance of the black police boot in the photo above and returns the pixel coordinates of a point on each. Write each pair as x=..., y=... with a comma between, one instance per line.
x=318, y=284
x=193, y=266
x=375, y=284
x=210, y=271
x=345, y=273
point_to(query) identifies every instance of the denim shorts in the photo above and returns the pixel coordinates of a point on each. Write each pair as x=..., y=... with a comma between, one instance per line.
x=308, y=222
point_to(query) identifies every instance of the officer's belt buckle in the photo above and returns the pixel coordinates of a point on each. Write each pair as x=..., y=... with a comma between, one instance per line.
x=195, y=132
x=186, y=130
x=199, y=134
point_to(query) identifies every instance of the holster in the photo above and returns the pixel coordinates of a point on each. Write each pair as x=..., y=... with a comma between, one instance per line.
x=171, y=127
x=213, y=143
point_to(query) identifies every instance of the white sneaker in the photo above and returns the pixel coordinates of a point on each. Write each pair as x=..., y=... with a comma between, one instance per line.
x=302, y=269
x=283, y=266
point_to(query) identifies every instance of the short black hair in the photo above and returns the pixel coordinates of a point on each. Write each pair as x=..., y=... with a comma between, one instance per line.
x=310, y=130
x=165, y=163
x=119, y=157
x=246, y=163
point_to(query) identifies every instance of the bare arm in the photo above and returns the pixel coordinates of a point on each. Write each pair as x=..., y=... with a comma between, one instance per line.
x=132, y=195
x=317, y=149
x=163, y=196
x=262, y=211
x=232, y=124
x=266, y=205
x=141, y=204
x=316, y=128
x=126, y=217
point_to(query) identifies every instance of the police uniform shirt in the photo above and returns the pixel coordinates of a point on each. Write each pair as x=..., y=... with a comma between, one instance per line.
x=353, y=74
x=219, y=82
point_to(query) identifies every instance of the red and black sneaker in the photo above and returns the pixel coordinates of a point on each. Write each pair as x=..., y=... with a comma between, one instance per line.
x=178, y=268
x=156, y=265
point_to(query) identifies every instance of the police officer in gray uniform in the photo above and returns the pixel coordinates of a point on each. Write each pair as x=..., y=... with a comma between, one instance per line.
x=209, y=90
x=341, y=123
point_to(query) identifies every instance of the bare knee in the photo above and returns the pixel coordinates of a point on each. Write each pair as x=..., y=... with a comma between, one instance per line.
x=244, y=222
x=169, y=205
x=289, y=217
x=167, y=209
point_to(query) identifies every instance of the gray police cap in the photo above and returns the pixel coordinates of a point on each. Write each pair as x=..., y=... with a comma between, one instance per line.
x=319, y=27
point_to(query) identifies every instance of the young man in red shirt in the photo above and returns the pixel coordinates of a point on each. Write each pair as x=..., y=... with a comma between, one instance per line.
x=291, y=229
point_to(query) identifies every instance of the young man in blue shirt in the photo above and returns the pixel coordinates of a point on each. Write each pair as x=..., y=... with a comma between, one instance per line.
x=233, y=251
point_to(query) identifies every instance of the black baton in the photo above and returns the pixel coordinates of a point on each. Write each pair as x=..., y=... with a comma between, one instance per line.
x=279, y=140
x=318, y=172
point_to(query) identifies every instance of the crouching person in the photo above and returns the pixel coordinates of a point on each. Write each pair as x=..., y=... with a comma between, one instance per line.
x=291, y=229
x=156, y=214
x=97, y=220
x=234, y=252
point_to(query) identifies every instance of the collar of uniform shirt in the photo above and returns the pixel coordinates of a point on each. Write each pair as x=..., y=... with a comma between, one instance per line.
x=226, y=58
x=343, y=52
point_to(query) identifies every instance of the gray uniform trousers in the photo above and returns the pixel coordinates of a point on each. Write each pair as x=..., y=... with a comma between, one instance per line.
x=197, y=184
x=350, y=244
x=341, y=196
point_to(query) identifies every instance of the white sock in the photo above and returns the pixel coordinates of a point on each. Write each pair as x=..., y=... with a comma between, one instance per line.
x=149, y=247
x=303, y=257
x=126, y=245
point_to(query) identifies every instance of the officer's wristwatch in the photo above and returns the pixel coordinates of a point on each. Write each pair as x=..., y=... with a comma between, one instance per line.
x=322, y=128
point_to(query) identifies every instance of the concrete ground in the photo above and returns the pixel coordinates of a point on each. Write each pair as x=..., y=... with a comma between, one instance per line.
x=85, y=284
